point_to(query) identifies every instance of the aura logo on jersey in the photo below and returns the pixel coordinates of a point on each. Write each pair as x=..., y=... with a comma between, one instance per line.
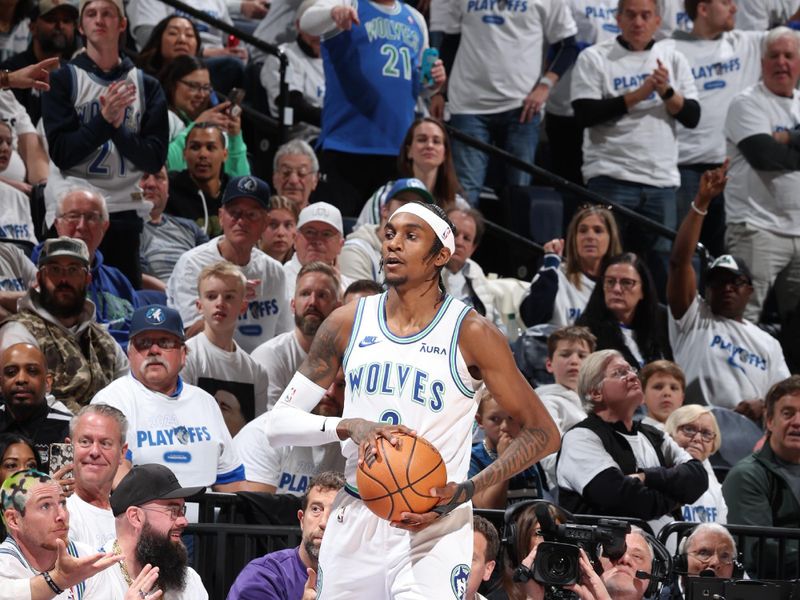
x=396, y=380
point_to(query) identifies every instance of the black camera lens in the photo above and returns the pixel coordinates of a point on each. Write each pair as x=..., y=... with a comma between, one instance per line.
x=559, y=565
x=556, y=564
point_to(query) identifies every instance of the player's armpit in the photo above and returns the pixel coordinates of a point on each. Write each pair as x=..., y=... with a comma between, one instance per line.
x=330, y=342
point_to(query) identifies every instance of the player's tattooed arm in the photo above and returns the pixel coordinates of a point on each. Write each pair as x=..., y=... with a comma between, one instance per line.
x=488, y=355
x=325, y=355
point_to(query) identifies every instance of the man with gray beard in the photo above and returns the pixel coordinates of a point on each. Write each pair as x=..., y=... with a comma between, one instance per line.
x=316, y=295
x=285, y=574
x=149, y=507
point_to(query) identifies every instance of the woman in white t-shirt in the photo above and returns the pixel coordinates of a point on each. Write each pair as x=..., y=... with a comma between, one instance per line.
x=624, y=314
x=694, y=428
x=427, y=155
x=561, y=288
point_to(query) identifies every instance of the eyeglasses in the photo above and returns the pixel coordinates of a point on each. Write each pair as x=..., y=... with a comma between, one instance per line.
x=705, y=555
x=73, y=218
x=247, y=215
x=609, y=283
x=57, y=271
x=690, y=431
x=301, y=172
x=622, y=373
x=204, y=88
x=738, y=282
x=165, y=343
x=173, y=511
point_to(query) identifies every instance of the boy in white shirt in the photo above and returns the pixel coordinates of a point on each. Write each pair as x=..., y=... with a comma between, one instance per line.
x=567, y=348
x=215, y=362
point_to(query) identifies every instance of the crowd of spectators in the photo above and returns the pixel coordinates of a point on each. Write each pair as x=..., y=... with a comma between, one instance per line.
x=159, y=286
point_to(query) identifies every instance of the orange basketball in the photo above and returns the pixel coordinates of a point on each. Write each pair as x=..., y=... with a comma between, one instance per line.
x=401, y=478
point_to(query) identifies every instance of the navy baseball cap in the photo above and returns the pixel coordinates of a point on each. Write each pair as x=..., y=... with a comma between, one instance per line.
x=145, y=483
x=410, y=184
x=247, y=187
x=157, y=317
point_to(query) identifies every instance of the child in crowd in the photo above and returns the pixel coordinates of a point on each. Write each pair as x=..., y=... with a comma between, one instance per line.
x=499, y=429
x=214, y=362
x=567, y=348
x=664, y=385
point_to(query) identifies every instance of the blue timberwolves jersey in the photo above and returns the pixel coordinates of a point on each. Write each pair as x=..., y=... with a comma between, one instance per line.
x=372, y=80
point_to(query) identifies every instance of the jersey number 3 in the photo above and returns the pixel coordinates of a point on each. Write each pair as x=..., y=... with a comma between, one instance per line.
x=394, y=56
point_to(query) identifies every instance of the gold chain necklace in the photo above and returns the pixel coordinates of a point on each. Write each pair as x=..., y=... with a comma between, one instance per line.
x=117, y=550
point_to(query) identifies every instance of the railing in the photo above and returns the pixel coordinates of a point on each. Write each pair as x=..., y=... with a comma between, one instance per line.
x=551, y=178
x=764, y=549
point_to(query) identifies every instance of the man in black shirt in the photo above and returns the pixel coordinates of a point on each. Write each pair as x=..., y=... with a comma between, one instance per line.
x=25, y=383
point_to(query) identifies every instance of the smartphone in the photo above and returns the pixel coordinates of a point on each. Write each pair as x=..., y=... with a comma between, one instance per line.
x=429, y=57
x=60, y=456
x=235, y=98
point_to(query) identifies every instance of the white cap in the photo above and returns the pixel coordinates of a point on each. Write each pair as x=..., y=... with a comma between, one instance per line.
x=323, y=213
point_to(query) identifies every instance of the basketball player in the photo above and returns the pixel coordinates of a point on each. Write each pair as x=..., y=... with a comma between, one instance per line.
x=412, y=357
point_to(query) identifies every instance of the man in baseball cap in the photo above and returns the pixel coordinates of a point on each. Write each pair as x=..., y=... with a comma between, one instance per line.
x=53, y=25
x=57, y=316
x=320, y=237
x=149, y=507
x=243, y=218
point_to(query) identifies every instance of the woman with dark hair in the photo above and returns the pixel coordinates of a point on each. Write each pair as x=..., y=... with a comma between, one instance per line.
x=16, y=454
x=192, y=100
x=425, y=154
x=566, y=279
x=171, y=37
x=624, y=314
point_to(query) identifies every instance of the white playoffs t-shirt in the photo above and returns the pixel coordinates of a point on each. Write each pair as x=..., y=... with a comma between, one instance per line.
x=279, y=357
x=729, y=360
x=722, y=68
x=640, y=146
x=570, y=301
x=16, y=222
x=288, y=468
x=583, y=458
x=90, y=524
x=304, y=74
x=185, y=432
x=765, y=199
x=213, y=369
x=267, y=314
x=711, y=506
x=596, y=21
x=499, y=59
x=112, y=582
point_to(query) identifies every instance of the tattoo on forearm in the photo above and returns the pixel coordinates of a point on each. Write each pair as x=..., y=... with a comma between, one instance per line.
x=522, y=452
x=323, y=358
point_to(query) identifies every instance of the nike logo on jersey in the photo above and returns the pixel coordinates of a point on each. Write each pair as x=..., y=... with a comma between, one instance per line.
x=368, y=341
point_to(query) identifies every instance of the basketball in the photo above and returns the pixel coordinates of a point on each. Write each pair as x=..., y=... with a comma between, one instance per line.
x=401, y=478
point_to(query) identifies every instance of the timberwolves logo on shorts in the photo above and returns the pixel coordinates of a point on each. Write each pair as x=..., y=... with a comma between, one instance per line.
x=458, y=580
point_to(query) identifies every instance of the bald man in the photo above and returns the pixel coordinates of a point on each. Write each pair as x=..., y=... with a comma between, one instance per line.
x=25, y=383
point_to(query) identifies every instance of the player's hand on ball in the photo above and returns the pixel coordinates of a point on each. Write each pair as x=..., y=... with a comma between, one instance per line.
x=417, y=522
x=366, y=433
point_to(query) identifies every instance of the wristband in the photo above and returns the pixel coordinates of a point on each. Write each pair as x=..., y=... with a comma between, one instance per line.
x=467, y=487
x=51, y=584
x=545, y=81
x=522, y=574
x=4, y=83
x=702, y=213
x=668, y=94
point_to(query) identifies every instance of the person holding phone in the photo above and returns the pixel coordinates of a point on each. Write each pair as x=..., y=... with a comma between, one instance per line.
x=191, y=100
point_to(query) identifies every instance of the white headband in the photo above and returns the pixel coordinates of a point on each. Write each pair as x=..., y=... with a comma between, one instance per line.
x=439, y=225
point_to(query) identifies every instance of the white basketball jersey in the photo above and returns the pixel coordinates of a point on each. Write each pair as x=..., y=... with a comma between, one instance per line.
x=420, y=381
x=114, y=176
